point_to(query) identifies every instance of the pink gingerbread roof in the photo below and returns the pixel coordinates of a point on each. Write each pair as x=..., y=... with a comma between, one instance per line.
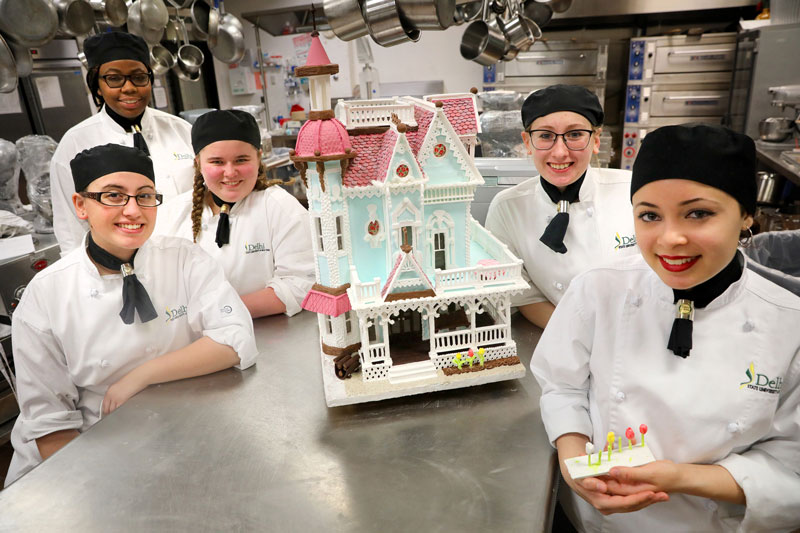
x=316, y=53
x=322, y=137
x=460, y=111
x=374, y=154
x=326, y=304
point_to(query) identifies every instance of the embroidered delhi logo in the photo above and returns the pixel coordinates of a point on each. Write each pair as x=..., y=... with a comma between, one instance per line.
x=624, y=241
x=439, y=150
x=760, y=382
x=255, y=248
x=175, y=314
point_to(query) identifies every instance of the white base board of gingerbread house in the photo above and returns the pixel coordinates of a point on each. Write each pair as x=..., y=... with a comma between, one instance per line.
x=636, y=455
x=355, y=390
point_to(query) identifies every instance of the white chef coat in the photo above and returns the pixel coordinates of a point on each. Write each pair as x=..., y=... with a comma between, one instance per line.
x=600, y=229
x=270, y=242
x=603, y=365
x=169, y=139
x=70, y=344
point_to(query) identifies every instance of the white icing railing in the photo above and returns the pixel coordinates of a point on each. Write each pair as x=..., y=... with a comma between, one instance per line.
x=466, y=339
x=363, y=293
x=363, y=113
x=374, y=354
x=450, y=193
x=478, y=276
x=490, y=334
x=489, y=242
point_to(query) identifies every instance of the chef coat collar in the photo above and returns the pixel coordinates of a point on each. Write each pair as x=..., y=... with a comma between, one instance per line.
x=146, y=120
x=91, y=269
x=663, y=293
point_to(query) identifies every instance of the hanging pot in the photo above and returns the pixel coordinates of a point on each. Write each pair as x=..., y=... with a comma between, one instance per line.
x=23, y=59
x=467, y=12
x=154, y=15
x=517, y=30
x=112, y=13
x=189, y=58
x=161, y=60
x=537, y=12
x=28, y=22
x=229, y=47
x=75, y=17
x=428, y=14
x=484, y=43
x=8, y=69
x=345, y=18
x=558, y=6
x=385, y=25
x=135, y=26
x=205, y=21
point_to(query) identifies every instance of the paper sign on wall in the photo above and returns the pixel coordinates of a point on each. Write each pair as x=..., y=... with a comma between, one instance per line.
x=9, y=103
x=301, y=45
x=49, y=92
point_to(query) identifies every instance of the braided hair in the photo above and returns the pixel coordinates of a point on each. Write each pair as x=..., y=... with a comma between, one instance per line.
x=199, y=193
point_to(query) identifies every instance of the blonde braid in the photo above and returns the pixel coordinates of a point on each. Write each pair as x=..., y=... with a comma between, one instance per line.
x=198, y=197
x=262, y=182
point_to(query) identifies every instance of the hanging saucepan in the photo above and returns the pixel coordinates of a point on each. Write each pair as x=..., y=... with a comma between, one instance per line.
x=537, y=12
x=136, y=28
x=28, y=22
x=518, y=31
x=161, y=60
x=345, y=18
x=205, y=21
x=154, y=15
x=384, y=23
x=427, y=14
x=172, y=32
x=189, y=58
x=8, y=69
x=559, y=6
x=484, y=43
x=467, y=12
x=112, y=13
x=23, y=59
x=75, y=17
x=179, y=4
x=229, y=47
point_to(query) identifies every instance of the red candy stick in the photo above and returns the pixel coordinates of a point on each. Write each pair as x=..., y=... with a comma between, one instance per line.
x=643, y=430
x=629, y=433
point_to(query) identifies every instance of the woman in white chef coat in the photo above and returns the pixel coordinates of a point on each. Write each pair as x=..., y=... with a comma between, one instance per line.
x=259, y=233
x=121, y=81
x=79, y=348
x=572, y=216
x=686, y=340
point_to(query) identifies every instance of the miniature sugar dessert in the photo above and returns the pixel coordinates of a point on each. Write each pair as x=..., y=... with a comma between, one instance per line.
x=580, y=467
x=412, y=294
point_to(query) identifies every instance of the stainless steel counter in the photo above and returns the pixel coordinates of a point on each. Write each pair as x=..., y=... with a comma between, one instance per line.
x=772, y=159
x=259, y=451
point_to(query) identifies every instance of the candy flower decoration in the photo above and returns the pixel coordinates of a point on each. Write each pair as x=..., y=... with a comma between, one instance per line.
x=610, y=438
x=589, y=452
x=630, y=435
x=643, y=430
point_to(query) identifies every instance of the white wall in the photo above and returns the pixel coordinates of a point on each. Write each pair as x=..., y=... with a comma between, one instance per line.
x=435, y=56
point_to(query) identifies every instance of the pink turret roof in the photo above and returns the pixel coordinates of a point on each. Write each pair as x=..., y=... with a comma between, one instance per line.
x=319, y=138
x=326, y=304
x=316, y=54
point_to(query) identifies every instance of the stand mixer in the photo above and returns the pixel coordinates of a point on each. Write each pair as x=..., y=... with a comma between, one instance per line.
x=776, y=129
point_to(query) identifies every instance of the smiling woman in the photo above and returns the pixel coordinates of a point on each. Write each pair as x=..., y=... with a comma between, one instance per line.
x=257, y=231
x=75, y=360
x=674, y=338
x=121, y=82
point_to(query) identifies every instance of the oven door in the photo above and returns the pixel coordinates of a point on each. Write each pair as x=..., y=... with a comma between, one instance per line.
x=554, y=63
x=688, y=103
x=694, y=58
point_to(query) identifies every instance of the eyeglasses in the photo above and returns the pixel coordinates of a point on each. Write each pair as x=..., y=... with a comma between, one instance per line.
x=573, y=139
x=119, y=199
x=115, y=81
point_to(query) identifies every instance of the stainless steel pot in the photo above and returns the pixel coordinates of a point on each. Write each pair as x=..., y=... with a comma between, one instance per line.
x=467, y=12
x=112, y=13
x=154, y=15
x=189, y=57
x=483, y=42
x=345, y=18
x=136, y=27
x=537, y=12
x=23, y=59
x=75, y=17
x=229, y=47
x=8, y=69
x=384, y=23
x=161, y=60
x=767, y=190
x=518, y=30
x=205, y=21
x=428, y=14
x=28, y=22
x=559, y=6
x=775, y=129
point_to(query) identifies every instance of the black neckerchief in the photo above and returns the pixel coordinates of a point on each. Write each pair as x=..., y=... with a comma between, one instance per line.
x=134, y=295
x=130, y=125
x=680, y=338
x=224, y=224
x=553, y=236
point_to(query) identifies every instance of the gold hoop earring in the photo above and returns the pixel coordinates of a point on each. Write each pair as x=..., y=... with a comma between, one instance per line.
x=747, y=240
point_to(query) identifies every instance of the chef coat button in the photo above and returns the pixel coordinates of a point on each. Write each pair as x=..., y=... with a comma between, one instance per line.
x=711, y=505
x=589, y=211
x=205, y=226
x=748, y=327
x=558, y=285
x=733, y=427
x=93, y=293
x=104, y=363
x=620, y=396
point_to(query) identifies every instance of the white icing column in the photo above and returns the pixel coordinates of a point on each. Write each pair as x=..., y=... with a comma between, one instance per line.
x=319, y=91
x=329, y=241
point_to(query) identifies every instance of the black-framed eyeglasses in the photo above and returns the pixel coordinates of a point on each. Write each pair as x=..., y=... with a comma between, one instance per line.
x=139, y=79
x=573, y=139
x=119, y=199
